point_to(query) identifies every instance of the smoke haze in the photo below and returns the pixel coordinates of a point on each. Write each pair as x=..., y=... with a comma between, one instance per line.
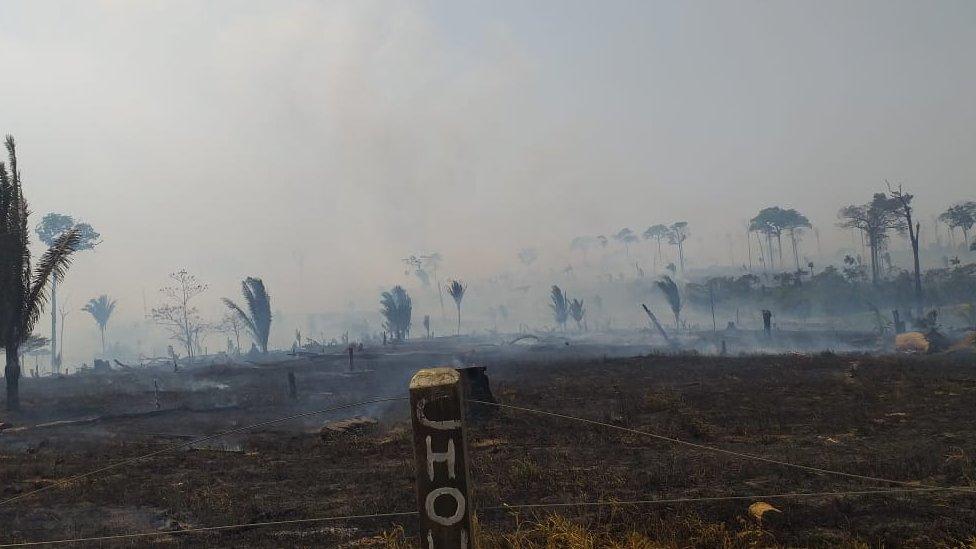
x=316, y=144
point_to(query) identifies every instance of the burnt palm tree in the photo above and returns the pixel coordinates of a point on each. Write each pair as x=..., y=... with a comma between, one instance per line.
x=577, y=311
x=258, y=318
x=22, y=288
x=397, y=310
x=456, y=289
x=559, y=306
x=670, y=290
x=101, y=309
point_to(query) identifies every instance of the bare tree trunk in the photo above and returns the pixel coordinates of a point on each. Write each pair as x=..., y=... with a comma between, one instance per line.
x=440, y=293
x=749, y=247
x=796, y=255
x=918, y=273
x=54, y=325
x=12, y=376
x=103, y=340
x=459, y=319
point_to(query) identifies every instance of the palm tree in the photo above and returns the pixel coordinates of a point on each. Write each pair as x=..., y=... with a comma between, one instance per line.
x=961, y=215
x=559, y=306
x=397, y=310
x=456, y=289
x=22, y=289
x=258, y=320
x=670, y=291
x=101, y=310
x=577, y=311
x=626, y=237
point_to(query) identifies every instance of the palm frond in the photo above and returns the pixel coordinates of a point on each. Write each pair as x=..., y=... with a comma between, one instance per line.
x=670, y=290
x=559, y=305
x=456, y=289
x=248, y=323
x=101, y=309
x=54, y=263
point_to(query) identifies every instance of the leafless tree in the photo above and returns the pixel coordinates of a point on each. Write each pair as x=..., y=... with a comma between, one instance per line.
x=178, y=315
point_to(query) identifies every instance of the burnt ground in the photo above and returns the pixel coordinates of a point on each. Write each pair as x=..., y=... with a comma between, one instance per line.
x=897, y=417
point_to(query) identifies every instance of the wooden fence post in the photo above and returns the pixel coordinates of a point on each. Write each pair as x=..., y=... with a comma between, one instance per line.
x=443, y=488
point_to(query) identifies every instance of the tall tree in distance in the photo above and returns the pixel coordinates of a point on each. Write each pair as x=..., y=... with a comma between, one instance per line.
x=677, y=234
x=397, y=310
x=658, y=233
x=582, y=244
x=794, y=221
x=874, y=219
x=101, y=309
x=456, y=290
x=626, y=237
x=257, y=319
x=769, y=222
x=914, y=227
x=23, y=286
x=961, y=216
x=48, y=230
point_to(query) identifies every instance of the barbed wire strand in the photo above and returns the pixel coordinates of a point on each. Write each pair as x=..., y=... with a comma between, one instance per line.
x=207, y=529
x=741, y=455
x=189, y=443
x=504, y=507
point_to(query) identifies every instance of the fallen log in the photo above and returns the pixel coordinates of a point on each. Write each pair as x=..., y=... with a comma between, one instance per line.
x=657, y=324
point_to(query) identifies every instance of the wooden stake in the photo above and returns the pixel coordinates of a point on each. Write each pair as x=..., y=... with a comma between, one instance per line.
x=443, y=488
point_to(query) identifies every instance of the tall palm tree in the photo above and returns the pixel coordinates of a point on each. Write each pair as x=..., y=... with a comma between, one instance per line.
x=258, y=318
x=671, y=293
x=101, y=309
x=22, y=289
x=456, y=289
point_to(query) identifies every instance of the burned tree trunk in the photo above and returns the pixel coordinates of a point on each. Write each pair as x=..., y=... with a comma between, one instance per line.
x=12, y=376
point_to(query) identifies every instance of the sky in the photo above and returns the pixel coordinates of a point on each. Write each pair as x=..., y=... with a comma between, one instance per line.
x=232, y=138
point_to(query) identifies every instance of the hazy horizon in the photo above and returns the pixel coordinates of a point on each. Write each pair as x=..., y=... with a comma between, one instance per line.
x=225, y=137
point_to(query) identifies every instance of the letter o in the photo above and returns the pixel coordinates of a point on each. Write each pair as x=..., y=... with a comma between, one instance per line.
x=445, y=491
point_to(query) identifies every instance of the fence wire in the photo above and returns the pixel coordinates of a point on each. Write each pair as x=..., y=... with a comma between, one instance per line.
x=504, y=507
x=733, y=453
x=190, y=443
